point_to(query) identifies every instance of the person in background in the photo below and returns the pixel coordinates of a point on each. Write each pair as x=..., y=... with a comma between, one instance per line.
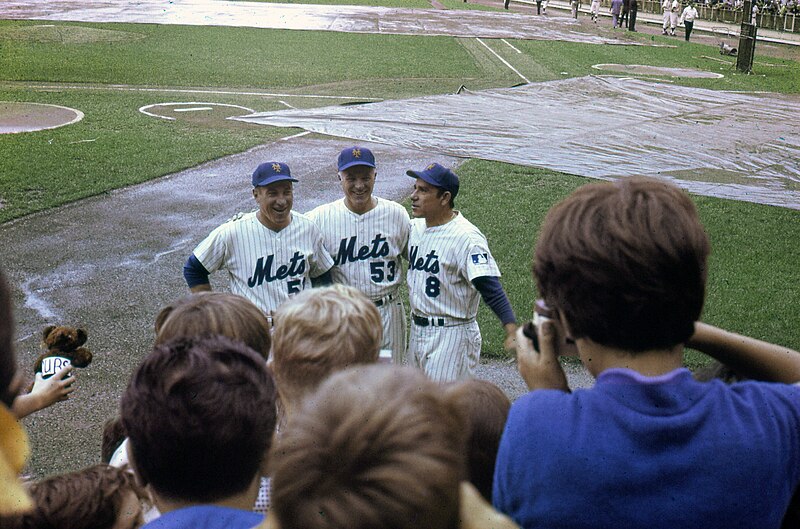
x=687, y=19
x=626, y=7
x=632, y=10
x=616, y=8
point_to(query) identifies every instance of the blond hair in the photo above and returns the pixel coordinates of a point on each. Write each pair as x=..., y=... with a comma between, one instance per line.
x=321, y=331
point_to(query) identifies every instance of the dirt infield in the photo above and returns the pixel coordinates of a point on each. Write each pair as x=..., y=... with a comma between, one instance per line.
x=16, y=117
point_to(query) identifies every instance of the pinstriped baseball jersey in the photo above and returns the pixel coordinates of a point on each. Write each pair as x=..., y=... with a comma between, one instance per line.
x=442, y=262
x=366, y=249
x=263, y=265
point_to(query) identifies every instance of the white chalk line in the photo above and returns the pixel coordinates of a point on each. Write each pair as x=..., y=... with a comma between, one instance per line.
x=119, y=88
x=511, y=46
x=293, y=136
x=193, y=109
x=504, y=61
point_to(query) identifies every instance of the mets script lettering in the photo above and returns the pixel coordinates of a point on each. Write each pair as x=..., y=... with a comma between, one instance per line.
x=429, y=263
x=348, y=254
x=263, y=271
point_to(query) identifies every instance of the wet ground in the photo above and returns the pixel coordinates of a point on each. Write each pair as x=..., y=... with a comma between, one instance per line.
x=27, y=117
x=353, y=19
x=111, y=262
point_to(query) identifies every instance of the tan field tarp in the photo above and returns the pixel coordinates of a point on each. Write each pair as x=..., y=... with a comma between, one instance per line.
x=723, y=144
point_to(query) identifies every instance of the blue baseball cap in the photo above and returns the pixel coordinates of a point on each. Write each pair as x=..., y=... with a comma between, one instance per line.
x=439, y=176
x=271, y=172
x=355, y=156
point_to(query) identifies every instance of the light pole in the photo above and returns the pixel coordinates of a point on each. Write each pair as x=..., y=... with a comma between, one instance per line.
x=747, y=39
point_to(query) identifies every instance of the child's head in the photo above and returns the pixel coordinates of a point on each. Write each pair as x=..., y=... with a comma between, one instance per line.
x=625, y=263
x=199, y=414
x=320, y=331
x=222, y=313
x=375, y=446
x=97, y=497
x=485, y=408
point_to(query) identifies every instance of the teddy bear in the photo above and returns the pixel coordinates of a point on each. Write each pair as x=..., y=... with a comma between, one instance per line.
x=63, y=346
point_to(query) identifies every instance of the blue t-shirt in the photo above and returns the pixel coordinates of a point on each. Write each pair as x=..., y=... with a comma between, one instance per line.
x=653, y=452
x=206, y=517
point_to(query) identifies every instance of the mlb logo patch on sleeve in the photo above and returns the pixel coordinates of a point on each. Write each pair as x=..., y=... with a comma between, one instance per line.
x=480, y=258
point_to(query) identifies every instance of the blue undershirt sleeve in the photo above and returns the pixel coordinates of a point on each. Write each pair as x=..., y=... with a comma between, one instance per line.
x=493, y=294
x=322, y=280
x=194, y=272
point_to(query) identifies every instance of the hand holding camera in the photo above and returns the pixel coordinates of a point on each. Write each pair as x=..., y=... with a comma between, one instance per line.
x=539, y=344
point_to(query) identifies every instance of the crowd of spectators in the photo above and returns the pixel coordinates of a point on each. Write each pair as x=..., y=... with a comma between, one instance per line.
x=231, y=416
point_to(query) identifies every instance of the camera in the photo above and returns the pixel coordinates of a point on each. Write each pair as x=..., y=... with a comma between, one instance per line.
x=541, y=313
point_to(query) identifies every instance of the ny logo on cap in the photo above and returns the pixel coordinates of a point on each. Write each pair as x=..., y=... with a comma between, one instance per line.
x=356, y=153
x=431, y=166
x=276, y=167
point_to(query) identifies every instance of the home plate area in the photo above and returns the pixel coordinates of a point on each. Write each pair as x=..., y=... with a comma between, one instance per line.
x=201, y=113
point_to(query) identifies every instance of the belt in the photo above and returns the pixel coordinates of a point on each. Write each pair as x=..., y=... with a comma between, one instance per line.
x=383, y=301
x=424, y=322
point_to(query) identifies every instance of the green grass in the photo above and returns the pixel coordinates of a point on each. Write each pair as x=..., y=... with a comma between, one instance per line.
x=113, y=146
x=230, y=57
x=129, y=147
x=552, y=58
x=753, y=274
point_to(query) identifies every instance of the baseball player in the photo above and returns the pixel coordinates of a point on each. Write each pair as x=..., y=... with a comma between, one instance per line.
x=594, y=9
x=670, y=11
x=270, y=253
x=449, y=263
x=367, y=235
x=674, y=7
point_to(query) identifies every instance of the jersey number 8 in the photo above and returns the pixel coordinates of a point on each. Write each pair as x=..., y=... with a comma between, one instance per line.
x=432, y=286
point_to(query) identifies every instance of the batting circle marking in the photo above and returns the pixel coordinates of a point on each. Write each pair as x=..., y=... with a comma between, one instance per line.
x=192, y=108
x=23, y=116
